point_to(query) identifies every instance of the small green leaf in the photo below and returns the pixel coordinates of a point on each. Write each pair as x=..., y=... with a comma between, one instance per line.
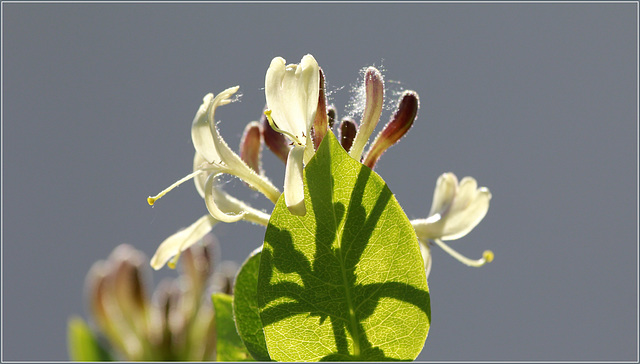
x=229, y=346
x=82, y=344
x=245, y=308
x=347, y=280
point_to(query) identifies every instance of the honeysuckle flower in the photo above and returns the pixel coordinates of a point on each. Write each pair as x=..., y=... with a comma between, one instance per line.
x=456, y=209
x=212, y=158
x=292, y=93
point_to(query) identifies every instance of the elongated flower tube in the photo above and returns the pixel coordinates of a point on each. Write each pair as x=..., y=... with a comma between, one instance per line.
x=292, y=100
x=396, y=128
x=374, y=97
x=251, y=146
x=321, y=123
x=456, y=209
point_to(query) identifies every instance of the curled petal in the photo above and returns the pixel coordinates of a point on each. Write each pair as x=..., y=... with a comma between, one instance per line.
x=214, y=209
x=202, y=135
x=182, y=240
x=231, y=204
x=293, y=182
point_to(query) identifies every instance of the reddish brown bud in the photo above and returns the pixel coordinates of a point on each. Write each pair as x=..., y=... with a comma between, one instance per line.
x=331, y=115
x=251, y=146
x=275, y=141
x=348, y=130
x=320, y=124
x=396, y=128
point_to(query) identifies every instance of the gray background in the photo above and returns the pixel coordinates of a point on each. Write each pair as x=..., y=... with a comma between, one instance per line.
x=536, y=101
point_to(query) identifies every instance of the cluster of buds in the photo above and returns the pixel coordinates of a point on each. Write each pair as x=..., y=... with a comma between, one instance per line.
x=296, y=119
x=175, y=323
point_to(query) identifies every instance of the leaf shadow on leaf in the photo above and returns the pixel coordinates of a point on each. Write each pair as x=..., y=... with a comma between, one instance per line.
x=329, y=288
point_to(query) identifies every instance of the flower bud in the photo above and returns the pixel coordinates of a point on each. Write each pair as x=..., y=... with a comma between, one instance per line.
x=128, y=281
x=374, y=97
x=197, y=264
x=347, y=132
x=251, y=146
x=331, y=115
x=396, y=128
x=96, y=295
x=320, y=124
x=224, y=276
x=276, y=142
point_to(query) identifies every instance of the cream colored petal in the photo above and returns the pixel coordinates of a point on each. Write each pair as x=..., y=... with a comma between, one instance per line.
x=201, y=133
x=200, y=179
x=231, y=204
x=293, y=182
x=277, y=90
x=428, y=229
x=204, y=132
x=292, y=93
x=465, y=193
x=214, y=209
x=444, y=193
x=273, y=85
x=310, y=83
x=293, y=103
x=426, y=256
x=182, y=240
x=461, y=223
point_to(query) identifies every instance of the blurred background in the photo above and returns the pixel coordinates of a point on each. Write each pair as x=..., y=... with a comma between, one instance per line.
x=536, y=101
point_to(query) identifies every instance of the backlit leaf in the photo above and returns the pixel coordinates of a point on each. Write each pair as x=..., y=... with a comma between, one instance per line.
x=346, y=281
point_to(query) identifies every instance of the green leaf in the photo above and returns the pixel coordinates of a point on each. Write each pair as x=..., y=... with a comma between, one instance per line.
x=347, y=280
x=82, y=344
x=229, y=346
x=245, y=308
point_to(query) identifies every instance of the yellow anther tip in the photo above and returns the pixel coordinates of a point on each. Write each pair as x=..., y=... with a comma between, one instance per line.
x=171, y=265
x=151, y=201
x=267, y=112
x=488, y=256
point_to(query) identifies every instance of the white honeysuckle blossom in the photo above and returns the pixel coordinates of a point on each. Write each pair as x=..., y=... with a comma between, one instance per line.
x=213, y=157
x=292, y=93
x=456, y=209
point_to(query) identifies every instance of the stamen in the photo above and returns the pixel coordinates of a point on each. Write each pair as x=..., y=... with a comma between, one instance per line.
x=487, y=256
x=152, y=199
x=275, y=127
